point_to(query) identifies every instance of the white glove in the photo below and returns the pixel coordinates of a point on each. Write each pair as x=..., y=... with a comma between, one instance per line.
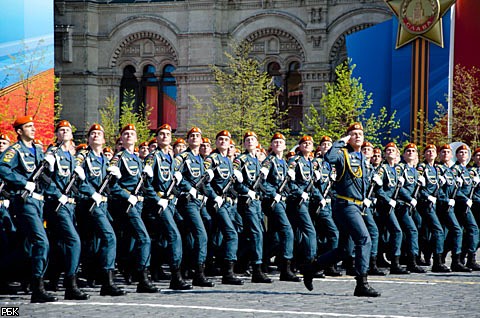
x=63, y=199
x=476, y=180
x=422, y=181
x=432, y=199
x=317, y=174
x=210, y=174
x=193, y=192
x=323, y=202
x=252, y=194
x=291, y=174
x=115, y=171
x=238, y=175
x=30, y=186
x=132, y=199
x=6, y=204
x=442, y=180
x=277, y=198
x=413, y=202
x=469, y=203
x=80, y=172
x=377, y=179
x=97, y=197
x=459, y=181
x=401, y=181
x=367, y=202
x=219, y=200
x=264, y=171
x=148, y=171
x=177, y=175
x=392, y=203
x=451, y=202
x=163, y=203
x=305, y=196
x=50, y=158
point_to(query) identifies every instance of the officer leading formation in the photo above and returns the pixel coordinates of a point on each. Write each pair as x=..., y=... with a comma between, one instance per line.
x=87, y=215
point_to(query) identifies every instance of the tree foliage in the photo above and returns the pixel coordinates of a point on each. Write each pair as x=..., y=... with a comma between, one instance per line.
x=465, y=119
x=128, y=115
x=241, y=99
x=343, y=102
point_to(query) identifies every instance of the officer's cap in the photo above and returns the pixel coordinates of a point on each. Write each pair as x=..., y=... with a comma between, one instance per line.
x=250, y=134
x=179, y=141
x=354, y=126
x=63, y=123
x=377, y=151
x=367, y=144
x=325, y=138
x=290, y=154
x=223, y=133
x=430, y=146
x=22, y=120
x=277, y=136
x=153, y=141
x=4, y=137
x=95, y=127
x=462, y=147
x=144, y=144
x=194, y=130
x=476, y=151
x=410, y=145
x=128, y=127
x=85, y=146
x=445, y=146
x=164, y=127
x=206, y=140
x=305, y=138
x=390, y=145
x=107, y=150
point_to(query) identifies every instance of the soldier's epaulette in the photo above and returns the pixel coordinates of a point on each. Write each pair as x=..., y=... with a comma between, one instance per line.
x=213, y=158
x=242, y=157
x=292, y=162
x=116, y=158
x=16, y=146
x=267, y=162
x=181, y=157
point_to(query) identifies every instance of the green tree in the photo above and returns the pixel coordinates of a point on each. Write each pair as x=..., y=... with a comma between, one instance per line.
x=343, y=102
x=240, y=100
x=127, y=116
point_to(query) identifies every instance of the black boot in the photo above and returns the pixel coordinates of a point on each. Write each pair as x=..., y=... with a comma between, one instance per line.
x=382, y=262
x=228, y=278
x=39, y=294
x=456, y=266
x=395, y=267
x=286, y=273
x=363, y=289
x=258, y=276
x=308, y=273
x=349, y=265
x=373, y=269
x=331, y=270
x=412, y=265
x=438, y=266
x=472, y=263
x=177, y=282
x=145, y=284
x=52, y=283
x=72, y=292
x=199, y=279
x=109, y=288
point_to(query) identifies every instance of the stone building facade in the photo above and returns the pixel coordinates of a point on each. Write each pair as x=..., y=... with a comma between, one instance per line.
x=163, y=49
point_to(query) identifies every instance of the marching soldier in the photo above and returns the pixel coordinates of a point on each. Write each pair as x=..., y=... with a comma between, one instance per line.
x=108, y=152
x=463, y=204
x=179, y=146
x=476, y=195
x=387, y=196
x=93, y=208
x=446, y=208
x=17, y=166
x=195, y=178
x=276, y=192
x=60, y=212
x=427, y=203
x=321, y=211
x=220, y=203
x=406, y=206
x=160, y=201
x=351, y=190
x=128, y=202
x=249, y=205
x=143, y=150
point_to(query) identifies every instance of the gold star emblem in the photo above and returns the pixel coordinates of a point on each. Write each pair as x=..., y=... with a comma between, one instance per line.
x=419, y=19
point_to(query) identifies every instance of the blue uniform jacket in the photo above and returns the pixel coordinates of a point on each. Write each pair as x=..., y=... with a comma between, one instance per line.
x=163, y=167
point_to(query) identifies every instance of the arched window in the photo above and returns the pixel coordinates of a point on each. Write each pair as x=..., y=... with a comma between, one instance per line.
x=150, y=93
x=129, y=83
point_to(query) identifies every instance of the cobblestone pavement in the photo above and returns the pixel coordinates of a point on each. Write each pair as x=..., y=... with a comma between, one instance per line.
x=415, y=295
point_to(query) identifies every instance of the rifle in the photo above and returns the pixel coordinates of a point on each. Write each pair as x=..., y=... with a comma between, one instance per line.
x=225, y=190
x=396, y=192
x=39, y=171
x=307, y=190
x=470, y=194
x=137, y=189
x=171, y=187
x=255, y=186
x=280, y=189
x=370, y=189
x=324, y=195
x=104, y=184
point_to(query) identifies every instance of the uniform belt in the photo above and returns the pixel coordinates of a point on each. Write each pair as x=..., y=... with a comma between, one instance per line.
x=37, y=196
x=140, y=198
x=357, y=202
x=71, y=200
x=162, y=196
x=246, y=196
x=104, y=199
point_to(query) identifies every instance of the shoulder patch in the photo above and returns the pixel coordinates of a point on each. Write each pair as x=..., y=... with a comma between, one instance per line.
x=9, y=155
x=16, y=146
